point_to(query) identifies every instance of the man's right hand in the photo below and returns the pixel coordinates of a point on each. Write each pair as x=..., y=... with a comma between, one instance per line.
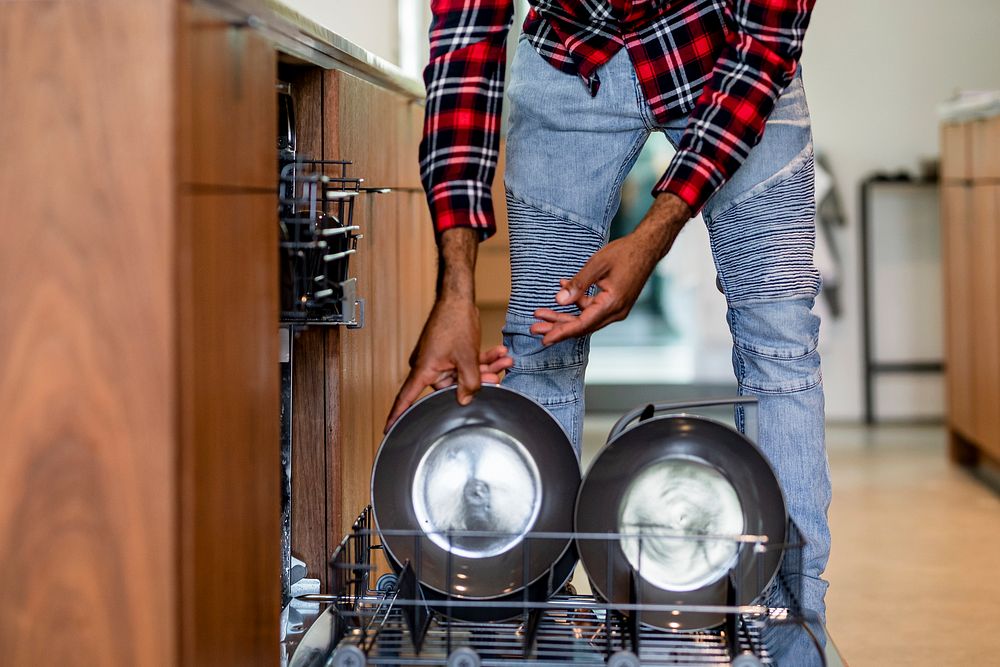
x=446, y=352
x=448, y=349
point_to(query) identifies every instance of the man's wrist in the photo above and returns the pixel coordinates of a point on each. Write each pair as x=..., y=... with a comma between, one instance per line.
x=664, y=221
x=457, y=249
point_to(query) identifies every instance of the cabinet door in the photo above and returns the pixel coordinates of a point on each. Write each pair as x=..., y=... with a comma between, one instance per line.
x=984, y=153
x=957, y=227
x=955, y=151
x=226, y=102
x=984, y=316
x=88, y=399
x=227, y=282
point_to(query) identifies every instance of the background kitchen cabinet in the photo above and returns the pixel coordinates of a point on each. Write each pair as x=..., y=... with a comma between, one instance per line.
x=971, y=229
x=957, y=247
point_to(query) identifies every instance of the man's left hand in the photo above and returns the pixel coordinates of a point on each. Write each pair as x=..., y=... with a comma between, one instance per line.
x=620, y=270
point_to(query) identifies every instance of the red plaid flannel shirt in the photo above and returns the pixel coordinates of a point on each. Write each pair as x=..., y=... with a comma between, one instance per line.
x=721, y=63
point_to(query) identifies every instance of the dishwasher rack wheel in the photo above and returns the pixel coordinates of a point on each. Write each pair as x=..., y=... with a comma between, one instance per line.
x=464, y=657
x=746, y=660
x=624, y=659
x=348, y=655
x=387, y=583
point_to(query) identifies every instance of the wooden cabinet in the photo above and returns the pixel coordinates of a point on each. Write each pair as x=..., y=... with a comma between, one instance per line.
x=88, y=347
x=971, y=230
x=984, y=156
x=225, y=91
x=957, y=246
x=228, y=349
x=956, y=163
x=984, y=316
x=138, y=285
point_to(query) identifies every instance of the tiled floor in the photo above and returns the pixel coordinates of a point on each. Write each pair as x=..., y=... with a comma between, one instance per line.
x=915, y=569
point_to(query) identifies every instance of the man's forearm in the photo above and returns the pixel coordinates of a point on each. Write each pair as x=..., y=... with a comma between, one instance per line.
x=457, y=249
x=663, y=222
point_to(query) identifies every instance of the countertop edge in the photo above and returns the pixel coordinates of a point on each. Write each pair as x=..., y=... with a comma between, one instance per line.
x=296, y=35
x=979, y=106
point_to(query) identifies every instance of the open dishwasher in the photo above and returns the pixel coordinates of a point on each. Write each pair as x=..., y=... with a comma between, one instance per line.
x=390, y=622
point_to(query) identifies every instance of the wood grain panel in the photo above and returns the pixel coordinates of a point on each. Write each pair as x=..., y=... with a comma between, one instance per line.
x=228, y=309
x=985, y=149
x=307, y=93
x=411, y=125
x=336, y=514
x=984, y=315
x=353, y=374
x=431, y=254
x=385, y=316
x=226, y=91
x=357, y=395
x=416, y=264
x=87, y=348
x=356, y=350
x=309, y=451
x=955, y=152
x=493, y=276
x=368, y=127
x=957, y=243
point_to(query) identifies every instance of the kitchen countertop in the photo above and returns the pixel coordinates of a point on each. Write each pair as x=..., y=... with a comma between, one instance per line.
x=970, y=105
x=302, y=39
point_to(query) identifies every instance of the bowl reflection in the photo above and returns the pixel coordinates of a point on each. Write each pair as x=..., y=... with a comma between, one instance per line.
x=666, y=509
x=476, y=478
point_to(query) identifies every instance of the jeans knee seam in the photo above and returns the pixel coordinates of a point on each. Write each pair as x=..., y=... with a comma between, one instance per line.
x=779, y=392
x=777, y=357
x=563, y=216
x=794, y=168
x=546, y=369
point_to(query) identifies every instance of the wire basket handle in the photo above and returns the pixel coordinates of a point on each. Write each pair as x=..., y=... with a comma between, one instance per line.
x=746, y=407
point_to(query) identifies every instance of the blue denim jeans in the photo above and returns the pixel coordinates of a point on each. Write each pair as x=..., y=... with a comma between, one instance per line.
x=567, y=154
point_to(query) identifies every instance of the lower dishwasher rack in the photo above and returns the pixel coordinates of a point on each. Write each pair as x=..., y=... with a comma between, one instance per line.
x=390, y=624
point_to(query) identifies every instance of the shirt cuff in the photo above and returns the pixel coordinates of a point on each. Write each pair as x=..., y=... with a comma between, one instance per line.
x=457, y=204
x=692, y=177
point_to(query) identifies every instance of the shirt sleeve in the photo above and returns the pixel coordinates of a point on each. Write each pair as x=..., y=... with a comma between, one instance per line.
x=464, y=79
x=757, y=63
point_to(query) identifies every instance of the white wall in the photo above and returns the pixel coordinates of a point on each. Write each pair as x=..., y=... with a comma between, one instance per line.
x=371, y=24
x=874, y=71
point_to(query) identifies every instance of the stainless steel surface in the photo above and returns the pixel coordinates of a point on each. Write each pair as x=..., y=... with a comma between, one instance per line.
x=470, y=481
x=671, y=507
x=476, y=478
x=623, y=482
